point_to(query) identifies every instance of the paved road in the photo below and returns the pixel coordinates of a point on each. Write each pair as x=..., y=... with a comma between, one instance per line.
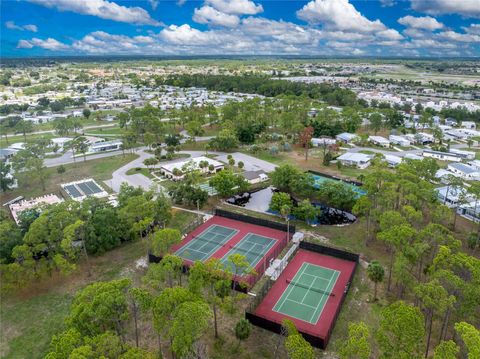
x=67, y=158
x=52, y=131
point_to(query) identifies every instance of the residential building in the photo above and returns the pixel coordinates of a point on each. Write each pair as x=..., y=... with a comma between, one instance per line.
x=464, y=171
x=469, y=125
x=468, y=155
x=253, y=177
x=451, y=196
x=399, y=140
x=105, y=146
x=379, y=141
x=442, y=156
x=346, y=137
x=323, y=141
x=176, y=170
x=359, y=160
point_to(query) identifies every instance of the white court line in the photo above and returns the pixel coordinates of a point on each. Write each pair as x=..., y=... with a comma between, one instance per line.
x=315, y=276
x=257, y=257
x=186, y=247
x=289, y=288
x=302, y=304
x=326, y=297
x=308, y=289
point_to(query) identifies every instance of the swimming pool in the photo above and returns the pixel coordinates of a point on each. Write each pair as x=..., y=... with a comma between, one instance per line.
x=319, y=179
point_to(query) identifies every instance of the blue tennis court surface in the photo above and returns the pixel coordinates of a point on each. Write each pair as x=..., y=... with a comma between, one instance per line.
x=201, y=247
x=253, y=246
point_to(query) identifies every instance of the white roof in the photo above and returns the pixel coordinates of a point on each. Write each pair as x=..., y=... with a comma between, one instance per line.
x=354, y=157
x=379, y=139
x=192, y=161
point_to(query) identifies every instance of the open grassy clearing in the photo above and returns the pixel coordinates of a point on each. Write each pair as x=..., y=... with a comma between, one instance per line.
x=100, y=169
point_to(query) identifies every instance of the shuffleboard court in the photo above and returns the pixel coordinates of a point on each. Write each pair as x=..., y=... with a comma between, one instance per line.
x=201, y=247
x=253, y=246
x=307, y=293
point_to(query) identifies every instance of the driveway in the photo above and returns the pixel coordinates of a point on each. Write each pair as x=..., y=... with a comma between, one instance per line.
x=250, y=163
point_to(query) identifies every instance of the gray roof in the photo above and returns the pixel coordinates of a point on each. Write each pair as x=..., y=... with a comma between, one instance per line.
x=463, y=168
x=250, y=175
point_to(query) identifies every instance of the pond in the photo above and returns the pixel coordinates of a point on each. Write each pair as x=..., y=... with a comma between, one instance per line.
x=321, y=178
x=259, y=201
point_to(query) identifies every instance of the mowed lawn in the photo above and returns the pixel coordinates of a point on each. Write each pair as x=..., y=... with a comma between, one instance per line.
x=30, y=318
x=100, y=169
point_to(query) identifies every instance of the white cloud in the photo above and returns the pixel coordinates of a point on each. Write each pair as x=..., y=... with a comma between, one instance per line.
x=338, y=15
x=103, y=9
x=24, y=44
x=473, y=29
x=455, y=36
x=466, y=8
x=357, y=52
x=48, y=44
x=236, y=7
x=387, y=3
x=153, y=4
x=12, y=26
x=211, y=16
x=425, y=22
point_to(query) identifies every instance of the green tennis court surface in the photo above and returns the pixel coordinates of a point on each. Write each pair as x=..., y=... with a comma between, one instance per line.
x=253, y=246
x=307, y=293
x=201, y=247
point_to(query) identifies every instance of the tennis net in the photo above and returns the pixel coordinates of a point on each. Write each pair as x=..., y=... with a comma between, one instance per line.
x=318, y=290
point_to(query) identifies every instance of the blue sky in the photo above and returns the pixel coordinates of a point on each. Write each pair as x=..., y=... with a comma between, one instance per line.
x=241, y=27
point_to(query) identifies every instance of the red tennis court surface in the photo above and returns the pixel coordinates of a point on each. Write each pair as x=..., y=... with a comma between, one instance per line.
x=319, y=326
x=198, y=243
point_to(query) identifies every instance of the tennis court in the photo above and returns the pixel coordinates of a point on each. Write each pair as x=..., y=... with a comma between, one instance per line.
x=201, y=247
x=307, y=293
x=253, y=246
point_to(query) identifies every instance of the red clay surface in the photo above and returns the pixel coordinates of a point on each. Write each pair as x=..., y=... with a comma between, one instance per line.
x=327, y=319
x=243, y=229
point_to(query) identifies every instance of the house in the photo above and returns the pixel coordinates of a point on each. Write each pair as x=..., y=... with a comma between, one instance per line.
x=412, y=156
x=468, y=125
x=379, y=141
x=323, y=141
x=399, y=140
x=442, y=156
x=19, y=207
x=359, y=160
x=470, y=210
x=60, y=142
x=392, y=161
x=105, y=146
x=176, y=170
x=468, y=155
x=451, y=196
x=451, y=122
x=444, y=176
x=475, y=163
x=464, y=171
x=253, y=177
x=346, y=137
x=6, y=153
